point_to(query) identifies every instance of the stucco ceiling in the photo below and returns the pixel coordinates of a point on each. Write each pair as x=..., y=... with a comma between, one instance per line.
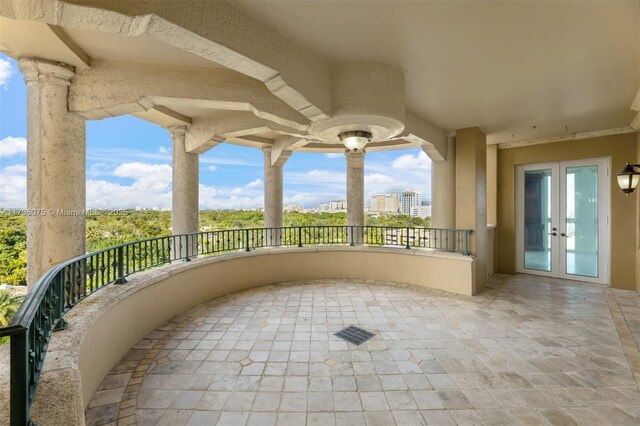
x=518, y=70
x=140, y=48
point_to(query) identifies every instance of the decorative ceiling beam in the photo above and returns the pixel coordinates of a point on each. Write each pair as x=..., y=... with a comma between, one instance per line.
x=216, y=31
x=111, y=88
x=421, y=133
x=223, y=126
x=635, y=123
x=635, y=105
x=80, y=54
x=163, y=116
x=283, y=147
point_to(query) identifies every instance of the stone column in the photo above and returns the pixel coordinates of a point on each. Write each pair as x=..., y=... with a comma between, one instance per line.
x=184, y=193
x=56, y=168
x=273, y=190
x=471, y=196
x=273, y=194
x=355, y=191
x=443, y=189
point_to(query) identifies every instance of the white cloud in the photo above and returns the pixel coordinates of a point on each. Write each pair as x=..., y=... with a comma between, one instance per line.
x=151, y=187
x=255, y=184
x=420, y=161
x=99, y=169
x=102, y=194
x=118, y=155
x=212, y=168
x=378, y=178
x=334, y=155
x=315, y=177
x=5, y=72
x=163, y=150
x=152, y=177
x=13, y=186
x=11, y=146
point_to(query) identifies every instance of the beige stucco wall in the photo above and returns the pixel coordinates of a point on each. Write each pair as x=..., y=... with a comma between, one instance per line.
x=621, y=148
x=471, y=196
x=638, y=225
x=492, y=184
x=106, y=325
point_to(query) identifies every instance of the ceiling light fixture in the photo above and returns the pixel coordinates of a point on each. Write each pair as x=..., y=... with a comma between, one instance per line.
x=628, y=178
x=355, y=140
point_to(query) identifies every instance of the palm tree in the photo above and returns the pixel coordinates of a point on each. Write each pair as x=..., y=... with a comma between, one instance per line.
x=9, y=304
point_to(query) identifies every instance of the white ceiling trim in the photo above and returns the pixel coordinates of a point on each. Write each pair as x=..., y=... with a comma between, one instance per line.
x=570, y=137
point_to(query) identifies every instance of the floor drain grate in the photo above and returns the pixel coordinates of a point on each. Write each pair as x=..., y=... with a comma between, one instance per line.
x=355, y=335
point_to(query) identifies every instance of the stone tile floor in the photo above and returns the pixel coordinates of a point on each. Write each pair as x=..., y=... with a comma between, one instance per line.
x=528, y=350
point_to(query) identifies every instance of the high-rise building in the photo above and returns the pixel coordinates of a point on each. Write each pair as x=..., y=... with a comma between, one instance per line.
x=337, y=205
x=385, y=203
x=409, y=200
x=421, y=211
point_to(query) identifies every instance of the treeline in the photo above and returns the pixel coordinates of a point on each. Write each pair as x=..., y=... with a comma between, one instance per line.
x=105, y=230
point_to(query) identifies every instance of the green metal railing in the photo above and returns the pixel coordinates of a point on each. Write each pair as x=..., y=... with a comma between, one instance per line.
x=65, y=285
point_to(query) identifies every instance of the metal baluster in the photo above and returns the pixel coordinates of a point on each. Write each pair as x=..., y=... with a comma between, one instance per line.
x=121, y=279
x=19, y=379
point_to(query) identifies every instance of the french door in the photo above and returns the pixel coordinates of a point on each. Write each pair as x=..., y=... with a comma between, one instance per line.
x=562, y=219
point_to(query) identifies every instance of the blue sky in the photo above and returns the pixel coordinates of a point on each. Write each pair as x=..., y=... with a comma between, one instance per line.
x=129, y=164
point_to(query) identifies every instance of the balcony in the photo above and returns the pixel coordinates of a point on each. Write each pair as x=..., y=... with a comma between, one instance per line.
x=254, y=257
x=239, y=327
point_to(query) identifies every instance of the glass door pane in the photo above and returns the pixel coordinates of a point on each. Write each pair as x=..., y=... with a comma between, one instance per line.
x=581, y=228
x=537, y=219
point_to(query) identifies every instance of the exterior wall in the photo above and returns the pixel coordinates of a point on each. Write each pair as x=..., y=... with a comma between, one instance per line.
x=471, y=196
x=491, y=250
x=443, y=194
x=621, y=148
x=492, y=184
x=638, y=225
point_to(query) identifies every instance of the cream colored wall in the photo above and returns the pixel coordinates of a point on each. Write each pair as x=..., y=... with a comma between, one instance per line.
x=492, y=209
x=638, y=224
x=471, y=196
x=621, y=148
x=492, y=184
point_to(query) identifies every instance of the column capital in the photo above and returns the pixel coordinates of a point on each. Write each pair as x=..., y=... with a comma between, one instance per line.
x=37, y=69
x=355, y=159
x=178, y=133
x=274, y=157
x=354, y=154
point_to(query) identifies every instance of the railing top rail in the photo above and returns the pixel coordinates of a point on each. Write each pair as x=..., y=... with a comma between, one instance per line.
x=27, y=311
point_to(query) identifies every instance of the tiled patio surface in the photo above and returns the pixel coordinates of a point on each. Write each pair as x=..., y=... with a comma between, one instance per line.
x=527, y=351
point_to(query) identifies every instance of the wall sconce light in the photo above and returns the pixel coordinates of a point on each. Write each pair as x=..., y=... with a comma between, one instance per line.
x=355, y=140
x=628, y=178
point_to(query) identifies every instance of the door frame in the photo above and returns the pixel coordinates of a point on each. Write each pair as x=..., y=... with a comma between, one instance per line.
x=558, y=211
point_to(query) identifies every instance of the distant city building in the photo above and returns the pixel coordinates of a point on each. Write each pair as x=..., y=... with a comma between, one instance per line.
x=409, y=200
x=421, y=211
x=294, y=208
x=385, y=203
x=337, y=205
x=334, y=206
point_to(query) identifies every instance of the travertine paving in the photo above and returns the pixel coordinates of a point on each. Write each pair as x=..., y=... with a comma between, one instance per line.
x=529, y=350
